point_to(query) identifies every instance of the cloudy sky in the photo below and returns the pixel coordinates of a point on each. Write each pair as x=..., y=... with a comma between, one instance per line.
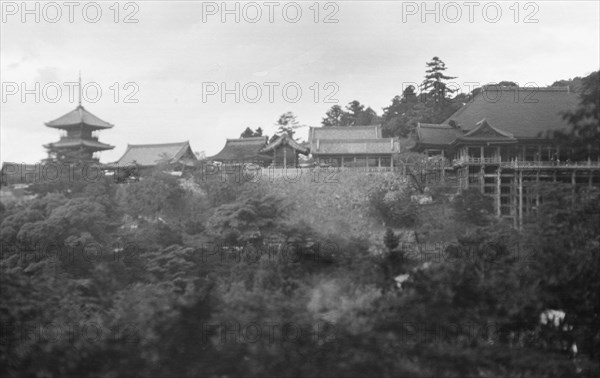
x=180, y=56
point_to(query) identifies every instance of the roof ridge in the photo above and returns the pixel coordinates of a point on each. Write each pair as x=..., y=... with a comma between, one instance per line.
x=345, y=127
x=158, y=144
x=358, y=140
x=253, y=139
x=436, y=125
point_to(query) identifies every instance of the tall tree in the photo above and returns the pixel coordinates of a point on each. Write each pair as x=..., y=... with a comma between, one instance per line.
x=367, y=117
x=287, y=124
x=354, y=109
x=401, y=117
x=436, y=90
x=584, y=138
x=248, y=133
x=334, y=116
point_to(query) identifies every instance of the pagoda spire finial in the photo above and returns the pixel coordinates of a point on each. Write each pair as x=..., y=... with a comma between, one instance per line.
x=79, y=87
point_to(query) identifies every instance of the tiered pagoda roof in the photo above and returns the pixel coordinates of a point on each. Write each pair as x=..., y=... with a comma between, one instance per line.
x=79, y=125
x=79, y=117
x=91, y=144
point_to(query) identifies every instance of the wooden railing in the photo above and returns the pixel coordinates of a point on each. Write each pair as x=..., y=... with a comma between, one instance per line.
x=526, y=163
x=472, y=160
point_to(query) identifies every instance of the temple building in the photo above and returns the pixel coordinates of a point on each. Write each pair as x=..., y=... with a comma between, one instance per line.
x=243, y=151
x=78, y=140
x=146, y=157
x=282, y=152
x=352, y=146
x=504, y=140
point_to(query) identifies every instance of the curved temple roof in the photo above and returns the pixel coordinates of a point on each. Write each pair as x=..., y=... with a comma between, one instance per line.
x=242, y=149
x=147, y=155
x=79, y=116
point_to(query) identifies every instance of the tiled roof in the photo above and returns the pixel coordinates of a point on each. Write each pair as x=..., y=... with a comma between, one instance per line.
x=153, y=154
x=65, y=143
x=344, y=132
x=365, y=140
x=285, y=139
x=79, y=116
x=356, y=146
x=522, y=112
x=436, y=134
x=486, y=132
x=243, y=149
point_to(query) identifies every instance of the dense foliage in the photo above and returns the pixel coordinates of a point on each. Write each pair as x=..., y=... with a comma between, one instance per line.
x=109, y=282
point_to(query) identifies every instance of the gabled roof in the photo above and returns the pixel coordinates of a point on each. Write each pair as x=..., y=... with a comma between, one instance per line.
x=147, y=155
x=77, y=117
x=285, y=139
x=381, y=146
x=242, y=149
x=522, y=112
x=484, y=132
x=344, y=132
x=360, y=140
x=69, y=142
x=431, y=134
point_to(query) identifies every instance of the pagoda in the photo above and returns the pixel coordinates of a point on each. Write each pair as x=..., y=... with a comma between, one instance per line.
x=78, y=141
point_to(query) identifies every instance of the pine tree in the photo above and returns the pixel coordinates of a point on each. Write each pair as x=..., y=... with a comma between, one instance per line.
x=287, y=124
x=436, y=91
x=334, y=116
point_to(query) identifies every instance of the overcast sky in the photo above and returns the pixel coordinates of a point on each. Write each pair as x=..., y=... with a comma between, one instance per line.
x=172, y=55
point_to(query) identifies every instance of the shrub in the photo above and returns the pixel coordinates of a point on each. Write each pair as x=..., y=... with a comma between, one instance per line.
x=472, y=206
x=393, y=207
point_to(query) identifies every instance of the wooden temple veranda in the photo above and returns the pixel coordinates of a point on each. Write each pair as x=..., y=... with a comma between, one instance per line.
x=505, y=147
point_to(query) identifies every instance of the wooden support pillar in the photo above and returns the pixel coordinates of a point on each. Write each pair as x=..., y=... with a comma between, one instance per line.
x=342, y=160
x=443, y=168
x=284, y=156
x=379, y=162
x=590, y=178
x=514, y=198
x=482, y=177
x=520, y=212
x=537, y=192
x=498, y=191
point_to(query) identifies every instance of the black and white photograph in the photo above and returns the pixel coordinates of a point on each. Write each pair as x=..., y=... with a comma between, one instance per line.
x=320, y=189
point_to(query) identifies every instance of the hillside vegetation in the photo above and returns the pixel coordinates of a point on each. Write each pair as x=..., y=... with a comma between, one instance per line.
x=164, y=277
